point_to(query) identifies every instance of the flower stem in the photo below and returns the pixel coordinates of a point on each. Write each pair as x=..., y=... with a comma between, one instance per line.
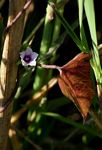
x=50, y=67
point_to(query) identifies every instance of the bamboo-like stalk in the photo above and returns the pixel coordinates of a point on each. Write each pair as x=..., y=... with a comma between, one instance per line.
x=8, y=70
x=40, y=79
x=57, y=25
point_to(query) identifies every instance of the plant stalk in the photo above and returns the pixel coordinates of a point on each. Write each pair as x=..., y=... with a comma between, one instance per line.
x=8, y=70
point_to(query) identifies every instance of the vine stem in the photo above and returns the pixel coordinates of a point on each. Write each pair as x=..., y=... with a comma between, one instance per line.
x=50, y=67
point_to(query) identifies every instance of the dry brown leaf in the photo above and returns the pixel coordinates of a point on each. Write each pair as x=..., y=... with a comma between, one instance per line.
x=75, y=83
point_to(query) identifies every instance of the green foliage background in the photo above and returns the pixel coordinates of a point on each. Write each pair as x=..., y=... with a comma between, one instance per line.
x=54, y=123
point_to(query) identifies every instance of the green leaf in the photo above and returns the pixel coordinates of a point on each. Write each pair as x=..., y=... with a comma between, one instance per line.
x=90, y=14
x=80, y=5
x=95, y=62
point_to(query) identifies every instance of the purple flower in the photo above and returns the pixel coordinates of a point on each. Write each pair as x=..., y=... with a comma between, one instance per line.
x=28, y=57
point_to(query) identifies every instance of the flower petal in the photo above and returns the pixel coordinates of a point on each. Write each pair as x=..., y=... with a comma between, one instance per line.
x=34, y=56
x=22, y=54
x=24, y=63
x=28, y=51
x=32, y=63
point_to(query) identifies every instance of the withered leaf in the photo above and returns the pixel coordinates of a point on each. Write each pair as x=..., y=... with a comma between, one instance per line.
x=75, y=83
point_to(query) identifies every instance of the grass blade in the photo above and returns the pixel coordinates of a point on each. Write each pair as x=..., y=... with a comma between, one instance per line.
x=69, y=30
x=71, y=122
x=82, y=32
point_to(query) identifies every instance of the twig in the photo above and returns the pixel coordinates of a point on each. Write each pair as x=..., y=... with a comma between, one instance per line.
x=19, y=14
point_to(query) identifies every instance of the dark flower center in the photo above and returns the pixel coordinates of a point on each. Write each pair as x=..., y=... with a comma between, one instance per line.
x=27, y=58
